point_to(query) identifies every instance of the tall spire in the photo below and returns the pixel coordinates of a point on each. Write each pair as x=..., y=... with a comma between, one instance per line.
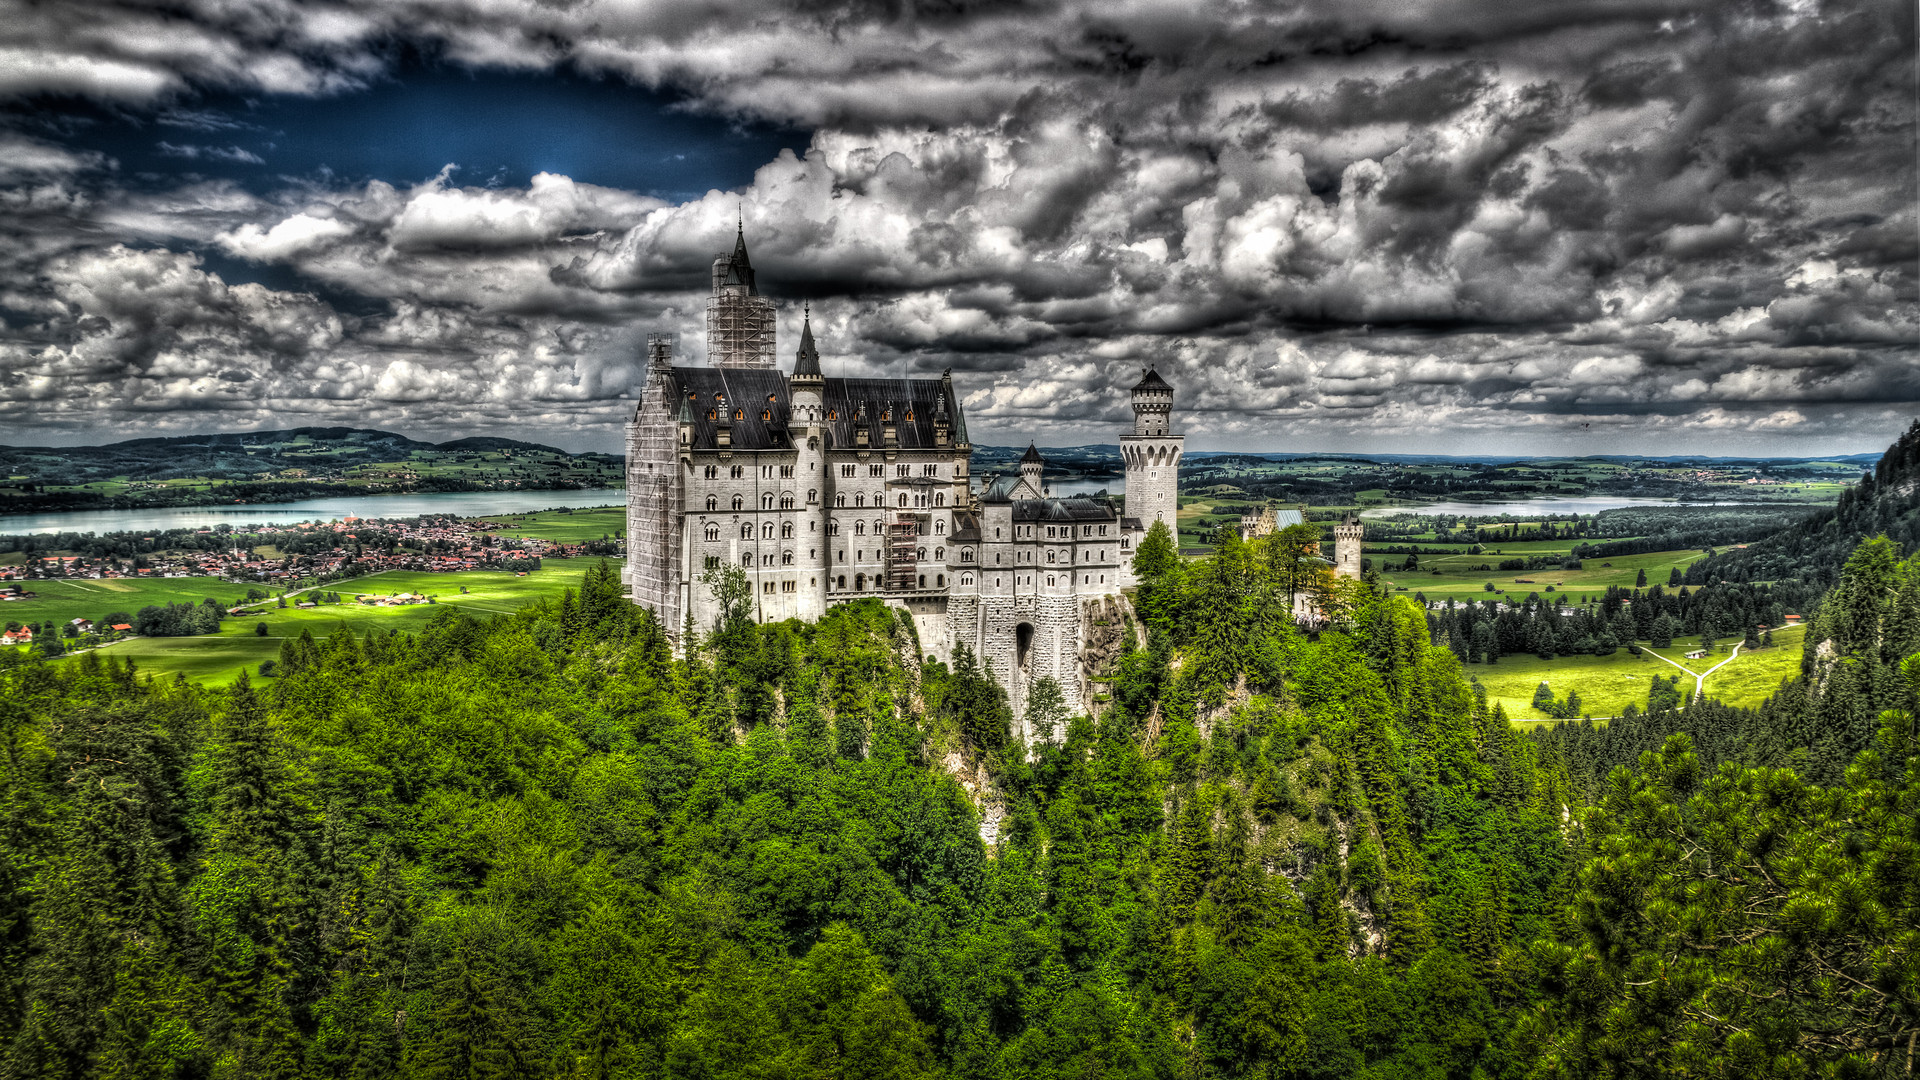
x=806, y=362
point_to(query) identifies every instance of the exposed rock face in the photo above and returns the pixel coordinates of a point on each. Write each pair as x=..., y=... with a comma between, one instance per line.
x=1103, y=639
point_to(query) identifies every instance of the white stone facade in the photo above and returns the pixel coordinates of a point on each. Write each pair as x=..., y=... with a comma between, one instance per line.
x=825, y=490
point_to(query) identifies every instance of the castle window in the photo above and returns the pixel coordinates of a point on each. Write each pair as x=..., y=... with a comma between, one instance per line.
x=713, y=472
x=737, y=472
x=786, y=530
x=739, y=414
x=713, y=414
x=903, y=498
x=930, y=470
x=747, y=560
x=786, y=558
x=879, y=526
x=939, y=581
x=786, y=472
x=713, y=531
x=766, y=501
x=939, y=553
x=766, y=587
x=846, y=471
x=876, y=470
x=966, y=579
x=966, y=554
x=939, y=498
x=766, y=414
x=766, y=531
x=813, y=496
x=903, y=470
x=923, y=581
x=738, y=502
x=713, y=502
x=920, y=555
x=833, y=528
x=1103, y=530
x=712, y=562
x=940, y=528
x=840, y=499
x=860, y=499
x=746, y=530
x=769, y=399
x=909, y=414
x=996, y=533
x=786, y=502
x=1049, y=556
x=840, y=582
x=859, y=528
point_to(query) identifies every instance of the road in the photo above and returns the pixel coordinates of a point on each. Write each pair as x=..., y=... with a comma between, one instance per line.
x=1699, y=679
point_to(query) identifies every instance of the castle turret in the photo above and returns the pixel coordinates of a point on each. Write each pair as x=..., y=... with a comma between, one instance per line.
x=739, y=320
x=1031, y=466
x=1152, y=453
x=1346, y=546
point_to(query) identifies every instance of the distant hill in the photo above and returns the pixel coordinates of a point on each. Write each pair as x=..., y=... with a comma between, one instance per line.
x=1887, y=500
x=277, y=466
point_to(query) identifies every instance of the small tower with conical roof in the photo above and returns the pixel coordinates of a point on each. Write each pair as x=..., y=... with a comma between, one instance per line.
x=1031, y=466
x=1152, y=454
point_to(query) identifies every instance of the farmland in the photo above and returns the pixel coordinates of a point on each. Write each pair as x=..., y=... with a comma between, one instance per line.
x=1608, y=684
x=218, y=659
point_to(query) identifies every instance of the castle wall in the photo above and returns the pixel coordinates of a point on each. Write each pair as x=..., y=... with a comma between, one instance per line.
x=1153, y=477
x=654, y=522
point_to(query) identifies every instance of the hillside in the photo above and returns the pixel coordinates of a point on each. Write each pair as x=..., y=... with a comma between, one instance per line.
x=1885, y=501
x=542, y=845
x=277, y=466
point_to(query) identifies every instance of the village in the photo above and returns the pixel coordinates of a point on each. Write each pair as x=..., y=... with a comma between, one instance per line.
x=311, y=553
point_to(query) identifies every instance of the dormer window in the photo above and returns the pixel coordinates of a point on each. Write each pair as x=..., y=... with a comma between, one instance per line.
x=713, y=414
x=739, y=414
x=766, y=414
x=833, y=414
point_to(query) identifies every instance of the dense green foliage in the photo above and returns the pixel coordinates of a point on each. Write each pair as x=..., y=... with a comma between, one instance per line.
x=544, y=846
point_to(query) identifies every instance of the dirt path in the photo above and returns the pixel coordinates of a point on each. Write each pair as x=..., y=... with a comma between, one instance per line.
x=1699, y=678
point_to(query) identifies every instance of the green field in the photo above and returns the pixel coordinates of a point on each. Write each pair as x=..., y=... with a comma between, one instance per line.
x=217, y=659
x=1607, y=684
x=1443, y=577
x=566, y=527
x=63, y=599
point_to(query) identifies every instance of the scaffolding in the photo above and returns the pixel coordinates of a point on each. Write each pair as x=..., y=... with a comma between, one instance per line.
x=903, y=565
x=739, y=329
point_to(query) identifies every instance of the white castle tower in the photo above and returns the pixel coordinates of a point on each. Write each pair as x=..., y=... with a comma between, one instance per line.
x=1152, y=454
x=1346, y=546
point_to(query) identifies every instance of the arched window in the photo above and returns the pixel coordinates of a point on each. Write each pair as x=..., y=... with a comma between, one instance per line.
x=746, y=530
x=786, y=502
x=920, y=555
x=840, y=499
x=860, y=498
x=966, y=554
x=939, y=553
x=833, y=528
x=766, y=414
x=939, y=498
x=713, y=414
x=713, y=502
x=786, y=558
x=966, y=579
x=859, y=582
x=738, y=502
x=939, y=581
x=739, y=414
x=903, y=498
x=879, y=526
x=713, y=531
x=834, y=414
x=1049, y=556
x=923, y=581
x=813, y=496
x=766, y=501
x=747, y=559
x=840, y=582
x=713, y=471
x=766, y=531
x=786, y=530
x=859, y=528
x=736, y=472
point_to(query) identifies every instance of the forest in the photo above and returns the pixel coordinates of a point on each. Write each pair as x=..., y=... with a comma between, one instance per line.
x=547, y=846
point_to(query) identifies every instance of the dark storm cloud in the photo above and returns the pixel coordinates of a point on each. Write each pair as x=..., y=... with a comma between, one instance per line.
x=1441, y=224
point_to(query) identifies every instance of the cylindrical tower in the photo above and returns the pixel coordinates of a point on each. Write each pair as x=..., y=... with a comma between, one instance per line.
x=1152, y=453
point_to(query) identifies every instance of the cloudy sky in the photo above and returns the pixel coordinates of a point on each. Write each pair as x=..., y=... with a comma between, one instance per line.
x=1462, y=226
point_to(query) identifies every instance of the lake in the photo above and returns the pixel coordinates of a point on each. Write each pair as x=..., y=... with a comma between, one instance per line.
x=1533, y=507
x=330, y=507
x=455, y=504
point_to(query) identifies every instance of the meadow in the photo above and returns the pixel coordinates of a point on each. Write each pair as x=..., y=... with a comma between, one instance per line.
x=1608, y=684
x=565, y=526
x=218, y=659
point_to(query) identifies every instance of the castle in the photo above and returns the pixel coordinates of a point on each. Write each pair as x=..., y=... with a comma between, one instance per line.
x=825, y=490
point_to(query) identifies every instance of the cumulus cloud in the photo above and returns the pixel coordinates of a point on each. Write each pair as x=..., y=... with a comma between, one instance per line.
x=1367, y=223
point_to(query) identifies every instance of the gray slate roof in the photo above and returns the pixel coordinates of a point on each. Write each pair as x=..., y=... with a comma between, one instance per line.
x=851, y=403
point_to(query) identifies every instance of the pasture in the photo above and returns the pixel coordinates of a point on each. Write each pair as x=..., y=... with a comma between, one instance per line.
x=1607, y=684
x=218, y=659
